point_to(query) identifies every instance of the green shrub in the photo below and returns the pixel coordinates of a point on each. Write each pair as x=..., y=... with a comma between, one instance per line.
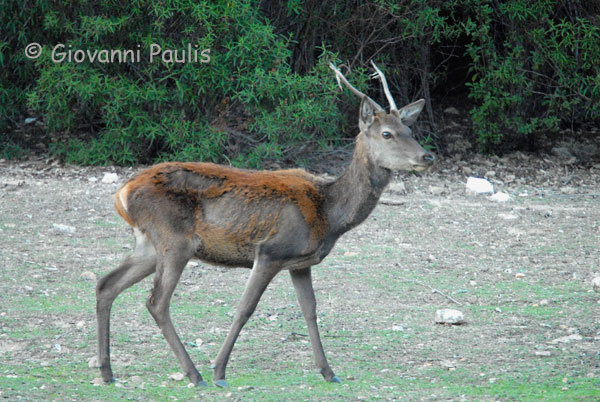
x=267, y=93
x=126, y=113
x=533, y=69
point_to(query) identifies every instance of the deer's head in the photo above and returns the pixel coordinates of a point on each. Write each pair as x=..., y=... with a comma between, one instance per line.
x=387, y=136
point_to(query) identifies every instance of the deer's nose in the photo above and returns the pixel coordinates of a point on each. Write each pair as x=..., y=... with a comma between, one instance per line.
x=428, y=158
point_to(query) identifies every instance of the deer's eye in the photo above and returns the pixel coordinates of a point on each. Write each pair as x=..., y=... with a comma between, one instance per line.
x=387, y=135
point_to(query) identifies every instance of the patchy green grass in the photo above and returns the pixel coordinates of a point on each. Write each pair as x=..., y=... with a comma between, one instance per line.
x=375, y=308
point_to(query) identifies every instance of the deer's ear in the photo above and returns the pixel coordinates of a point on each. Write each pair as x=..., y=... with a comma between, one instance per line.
x=366, y=114
x=409, y=113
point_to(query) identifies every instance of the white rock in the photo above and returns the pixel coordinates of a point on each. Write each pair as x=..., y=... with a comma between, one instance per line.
x=30, y=120
x=508, y=217
x=398, y=328
x=93, y=362
x=436, y=190
x=478, y=185
x=449, y=316
x=452, y=110
x=63, y=228
x=93, y=179
x=596, y=283
x=500, y=197
x=88, y=276
x=567, y=339
x=110, y=178
x=177, y=376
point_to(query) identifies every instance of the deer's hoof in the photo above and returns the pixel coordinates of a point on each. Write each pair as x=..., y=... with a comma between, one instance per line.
x=335, y=379
x=221, y=383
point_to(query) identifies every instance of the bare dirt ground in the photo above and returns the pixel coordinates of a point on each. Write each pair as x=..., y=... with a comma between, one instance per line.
x=521, y=270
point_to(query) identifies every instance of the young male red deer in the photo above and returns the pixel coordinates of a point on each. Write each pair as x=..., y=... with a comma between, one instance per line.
x=265, y=220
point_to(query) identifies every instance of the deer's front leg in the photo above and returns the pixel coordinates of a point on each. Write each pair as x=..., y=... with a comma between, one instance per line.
x=262, y=273
x=302, y=281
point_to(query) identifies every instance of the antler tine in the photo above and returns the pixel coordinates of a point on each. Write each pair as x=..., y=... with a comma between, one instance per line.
x=340, y=78
x=388, y=95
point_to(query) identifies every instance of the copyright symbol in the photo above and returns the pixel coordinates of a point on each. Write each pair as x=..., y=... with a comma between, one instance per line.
x=33, y=51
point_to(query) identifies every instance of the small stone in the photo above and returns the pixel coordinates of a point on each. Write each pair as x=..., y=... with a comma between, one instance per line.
x=398, y=328
x=177, y=376
x=110, y=178
x=448, y=364
x=478, y=185
x=490, y=173
x=472, y=283
x=350, y=254
x=519, y=275
x=467, y=170
x=198, y=342
x=508, y=217
x=543, y=353
x=544, y=302
x=80, y=324
x=452, y=110
x=449, y=316
x=88, y=276
x=567, y=339
x=436, y=190
x=500, y=197
x=568, y=190
x=63, y=228
x=136, y=380
x=596, y=284
x=93, y=362
x=97, y=381
x=397, y=187
x=246, y=388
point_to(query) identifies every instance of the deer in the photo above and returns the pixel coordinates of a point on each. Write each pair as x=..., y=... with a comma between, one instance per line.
x=268, y=221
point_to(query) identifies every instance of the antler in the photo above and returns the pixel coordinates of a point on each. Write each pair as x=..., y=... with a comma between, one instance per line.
x=340, y=78
x=388, y=95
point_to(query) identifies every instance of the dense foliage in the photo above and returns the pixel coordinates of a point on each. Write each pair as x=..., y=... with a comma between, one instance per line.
x=527, y=66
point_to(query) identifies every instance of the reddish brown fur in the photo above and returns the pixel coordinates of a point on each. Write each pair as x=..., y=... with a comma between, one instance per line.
x=287, y=186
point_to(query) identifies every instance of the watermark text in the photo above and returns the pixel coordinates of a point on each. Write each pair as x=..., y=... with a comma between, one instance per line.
x=61, y=53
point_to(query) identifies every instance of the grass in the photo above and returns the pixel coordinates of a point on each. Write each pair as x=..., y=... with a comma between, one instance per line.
x=365, y=288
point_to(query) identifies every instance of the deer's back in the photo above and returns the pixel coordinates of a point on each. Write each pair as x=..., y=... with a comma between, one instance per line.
x=227, y=211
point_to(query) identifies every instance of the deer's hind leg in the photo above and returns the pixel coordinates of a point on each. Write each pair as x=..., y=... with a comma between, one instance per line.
x=172, y=259
x=137, y=266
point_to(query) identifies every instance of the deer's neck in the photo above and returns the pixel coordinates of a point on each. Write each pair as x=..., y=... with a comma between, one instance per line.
x=352, y=197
